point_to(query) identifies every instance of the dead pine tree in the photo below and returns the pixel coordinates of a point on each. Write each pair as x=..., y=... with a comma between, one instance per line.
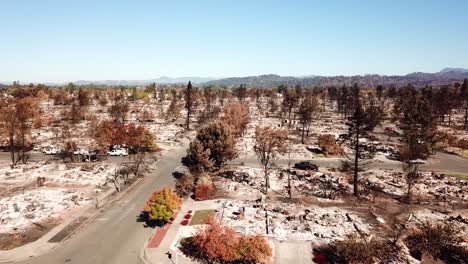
x=365, y=118
x=15, y=118
x=356, y=129
x=188, y=103
x=306, y=111
x=411, y=170
x=289, y=150
x=464, y=99
x=412, y=175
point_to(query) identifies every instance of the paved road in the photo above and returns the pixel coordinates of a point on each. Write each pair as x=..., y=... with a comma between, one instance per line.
x=441, y=162
x=448, y=162
x=114, y=236
x=38, y=156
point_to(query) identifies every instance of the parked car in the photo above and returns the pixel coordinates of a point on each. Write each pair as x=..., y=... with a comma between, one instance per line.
x=315, y=149
x=417, y=161
x=51, y=151
x=118, y=152
x=80, y=152
x=393, y=156
x=84, y=152
x=306, y=165
x=93, y=156
x=36, y=149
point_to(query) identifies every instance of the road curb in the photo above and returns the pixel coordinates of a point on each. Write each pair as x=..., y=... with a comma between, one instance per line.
x=142, y=256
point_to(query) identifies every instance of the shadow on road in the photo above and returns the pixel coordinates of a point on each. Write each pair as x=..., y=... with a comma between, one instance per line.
x=143, y=217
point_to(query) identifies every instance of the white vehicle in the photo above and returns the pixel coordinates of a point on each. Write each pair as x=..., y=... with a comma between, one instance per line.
x=81, y=152
x=118, y=152
x=51, y=151
x=417, y=161
x=37, y=149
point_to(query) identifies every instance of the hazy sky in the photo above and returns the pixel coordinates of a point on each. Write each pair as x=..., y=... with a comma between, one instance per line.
x=45, y=41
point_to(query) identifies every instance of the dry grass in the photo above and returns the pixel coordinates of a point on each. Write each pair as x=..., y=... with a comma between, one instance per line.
x=462, y=176
x=201, y=216
x=458, y=151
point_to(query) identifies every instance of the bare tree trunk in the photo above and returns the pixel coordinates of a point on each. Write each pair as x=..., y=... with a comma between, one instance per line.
x=12, y=150
x=188, y=120
x=465, y=125
x=356, y=163
x=23, y=152
x=303, y=131
x=289, y=174
x=408, y=193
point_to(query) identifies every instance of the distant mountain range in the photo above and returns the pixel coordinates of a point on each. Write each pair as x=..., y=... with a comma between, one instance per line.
x=261, y=80
x=459, y=70
x=160, y=80
x=418, y=79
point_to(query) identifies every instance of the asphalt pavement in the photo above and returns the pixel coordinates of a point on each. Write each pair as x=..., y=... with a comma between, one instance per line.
x=441, y=162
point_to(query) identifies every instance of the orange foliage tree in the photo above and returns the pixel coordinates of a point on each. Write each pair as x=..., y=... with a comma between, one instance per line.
x=204, y=191
x=220, y=244
x=253, y=249
x=328, y=144
x=137, y=138
x=236, y=116
x=162, y=205
x=16, y=115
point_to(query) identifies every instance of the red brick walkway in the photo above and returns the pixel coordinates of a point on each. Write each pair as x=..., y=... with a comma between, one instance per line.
x=160, y=234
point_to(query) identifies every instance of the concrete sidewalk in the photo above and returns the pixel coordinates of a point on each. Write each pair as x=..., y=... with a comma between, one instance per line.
x=298, y=252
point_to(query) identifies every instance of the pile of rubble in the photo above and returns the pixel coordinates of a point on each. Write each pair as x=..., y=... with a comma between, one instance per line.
x=166, y=132
x=439, y=186
x=443, y=187
x=291, y=221
x=36, y=192
x=251, y=181
x=322, y=185
x=97, y=175
x=248, y=183
x=33, y=206
x=23, y=174
x=459, y=219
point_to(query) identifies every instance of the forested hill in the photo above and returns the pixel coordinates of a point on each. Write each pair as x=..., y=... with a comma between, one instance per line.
x=419, y=79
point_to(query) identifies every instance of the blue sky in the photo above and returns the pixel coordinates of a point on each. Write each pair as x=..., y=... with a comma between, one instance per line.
x=51, y=41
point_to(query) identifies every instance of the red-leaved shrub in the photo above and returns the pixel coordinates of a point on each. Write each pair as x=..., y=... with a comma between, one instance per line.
x=220, y=244
x=204, y=192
